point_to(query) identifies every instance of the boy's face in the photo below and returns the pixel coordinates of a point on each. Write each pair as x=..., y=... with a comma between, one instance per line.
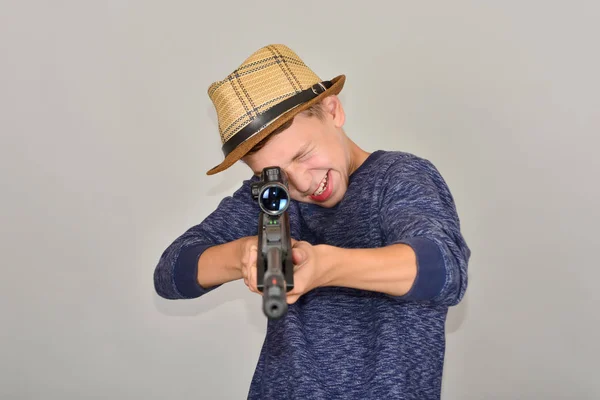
x=314, y=153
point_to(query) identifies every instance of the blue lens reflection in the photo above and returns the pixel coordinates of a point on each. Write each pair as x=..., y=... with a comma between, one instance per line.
x=274, y=199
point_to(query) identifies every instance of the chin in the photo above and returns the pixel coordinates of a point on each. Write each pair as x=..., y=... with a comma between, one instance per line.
x=331, y=202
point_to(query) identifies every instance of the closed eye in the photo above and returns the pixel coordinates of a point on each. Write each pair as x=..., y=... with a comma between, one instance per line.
x=305, y=156
x=301, y=153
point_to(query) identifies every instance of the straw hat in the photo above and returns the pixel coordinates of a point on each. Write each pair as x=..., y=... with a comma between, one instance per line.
x=265, y=91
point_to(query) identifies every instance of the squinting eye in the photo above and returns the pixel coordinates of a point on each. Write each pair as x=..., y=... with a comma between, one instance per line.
x=305, y=156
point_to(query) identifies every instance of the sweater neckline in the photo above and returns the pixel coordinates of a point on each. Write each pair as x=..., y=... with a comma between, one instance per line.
x=371, y=158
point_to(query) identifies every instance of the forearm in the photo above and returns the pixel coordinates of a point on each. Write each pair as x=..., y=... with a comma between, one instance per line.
x=391, y=270
x=220, y=264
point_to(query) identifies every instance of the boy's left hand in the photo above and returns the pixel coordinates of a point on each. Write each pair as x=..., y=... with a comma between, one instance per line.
x=309, y=271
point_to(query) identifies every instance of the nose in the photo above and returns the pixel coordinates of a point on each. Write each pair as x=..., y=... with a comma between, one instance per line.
x=300, y=179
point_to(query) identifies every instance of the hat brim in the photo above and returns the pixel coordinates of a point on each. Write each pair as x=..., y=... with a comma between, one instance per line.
x=241, y=150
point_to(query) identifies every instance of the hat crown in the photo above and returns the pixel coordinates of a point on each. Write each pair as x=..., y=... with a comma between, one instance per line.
x=266, y=78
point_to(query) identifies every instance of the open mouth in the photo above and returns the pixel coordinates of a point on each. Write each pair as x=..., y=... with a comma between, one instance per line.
x=324, y=190
x=322, y=186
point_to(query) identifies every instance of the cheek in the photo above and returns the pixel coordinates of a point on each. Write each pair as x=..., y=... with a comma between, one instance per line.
x=295, y=195
x=318, y=162
x=294, y=192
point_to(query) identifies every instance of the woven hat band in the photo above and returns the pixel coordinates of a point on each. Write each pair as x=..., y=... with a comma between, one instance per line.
x=263, y=120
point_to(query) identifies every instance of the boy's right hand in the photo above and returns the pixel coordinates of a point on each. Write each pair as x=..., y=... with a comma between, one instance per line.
x=249, y=256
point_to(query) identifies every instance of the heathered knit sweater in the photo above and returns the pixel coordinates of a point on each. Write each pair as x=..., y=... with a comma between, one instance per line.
x=343, y=343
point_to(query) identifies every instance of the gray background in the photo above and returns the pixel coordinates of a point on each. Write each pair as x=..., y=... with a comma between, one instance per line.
x=107, y=131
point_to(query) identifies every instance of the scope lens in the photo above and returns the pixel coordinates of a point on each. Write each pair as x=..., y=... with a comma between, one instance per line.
x=274, y=199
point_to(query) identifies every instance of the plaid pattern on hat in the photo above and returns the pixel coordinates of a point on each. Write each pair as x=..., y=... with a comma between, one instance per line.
x=268, y=77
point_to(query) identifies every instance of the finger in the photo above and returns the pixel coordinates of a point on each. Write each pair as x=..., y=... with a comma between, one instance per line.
x=291, y=299
x=245, y=274
x=248, y=259
x=300, y=243
x=299, y=256
x=252, y=271
x=253, y=276
x=253, y=282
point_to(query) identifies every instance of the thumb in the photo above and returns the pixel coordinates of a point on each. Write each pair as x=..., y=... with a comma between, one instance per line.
x=298, y=256
x=253, y=256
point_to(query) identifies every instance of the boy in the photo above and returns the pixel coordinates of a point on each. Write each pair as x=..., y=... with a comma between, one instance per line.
x=378, y=252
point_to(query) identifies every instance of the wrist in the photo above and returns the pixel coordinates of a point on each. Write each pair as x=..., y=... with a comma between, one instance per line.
x=329, y=260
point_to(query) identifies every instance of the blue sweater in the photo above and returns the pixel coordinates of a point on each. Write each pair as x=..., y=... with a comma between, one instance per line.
x=343, y=343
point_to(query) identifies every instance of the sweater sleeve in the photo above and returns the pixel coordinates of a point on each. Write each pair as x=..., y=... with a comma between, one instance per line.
x=417, y=209
x=175, y=276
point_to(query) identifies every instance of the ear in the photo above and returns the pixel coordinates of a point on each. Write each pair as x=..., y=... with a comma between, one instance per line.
x=333, y=107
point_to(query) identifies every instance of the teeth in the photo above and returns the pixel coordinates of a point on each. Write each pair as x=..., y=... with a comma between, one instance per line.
x=322, y=187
